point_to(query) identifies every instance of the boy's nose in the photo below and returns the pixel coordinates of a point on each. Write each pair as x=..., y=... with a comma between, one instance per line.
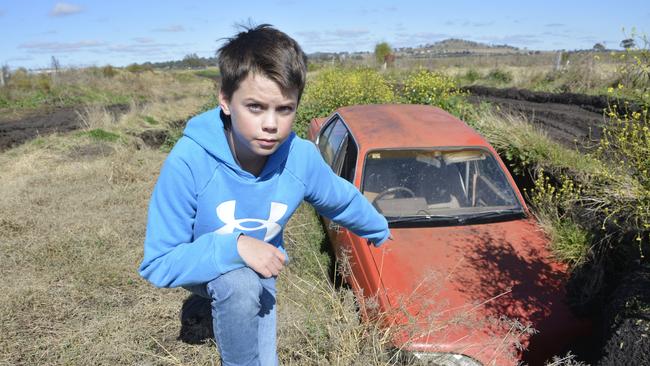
x=270, y=122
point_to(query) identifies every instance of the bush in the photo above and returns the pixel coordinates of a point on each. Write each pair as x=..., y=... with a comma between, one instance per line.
x=108, y=71
x=334, y=87
x=554, y=207
x=625, y=143
x=634, y=72
x=431, y=88
x=136, y=69
x=471, y=76
x=499, y=76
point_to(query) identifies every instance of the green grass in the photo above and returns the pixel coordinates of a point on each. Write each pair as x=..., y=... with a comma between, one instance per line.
x=150, y=120
x=208, y=73
x=99, y=134
x=571, y=243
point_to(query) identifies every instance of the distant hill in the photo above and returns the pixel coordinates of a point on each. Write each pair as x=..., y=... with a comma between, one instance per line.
x=454, y=46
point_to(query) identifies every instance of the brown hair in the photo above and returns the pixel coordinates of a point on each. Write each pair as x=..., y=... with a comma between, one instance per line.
x=264, y=50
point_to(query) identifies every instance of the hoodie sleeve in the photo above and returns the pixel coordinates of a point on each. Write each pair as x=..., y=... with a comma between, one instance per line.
x=340, y=201
x=172, y=256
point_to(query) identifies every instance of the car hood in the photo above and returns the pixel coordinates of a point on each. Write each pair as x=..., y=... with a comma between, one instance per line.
x=474, y=289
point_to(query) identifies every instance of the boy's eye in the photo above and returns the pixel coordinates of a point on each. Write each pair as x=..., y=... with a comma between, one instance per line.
x=253, y=107
x=285, y=109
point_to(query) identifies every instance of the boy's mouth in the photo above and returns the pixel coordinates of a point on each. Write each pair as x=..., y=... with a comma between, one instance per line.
x=266, y=143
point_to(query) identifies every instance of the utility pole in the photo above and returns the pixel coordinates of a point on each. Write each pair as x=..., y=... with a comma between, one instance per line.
x=558, y=61
x=4, y=72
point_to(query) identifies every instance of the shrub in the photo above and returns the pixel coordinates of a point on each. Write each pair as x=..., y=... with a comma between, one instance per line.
x=335, y=87
x=554, y=206
x=500, y=76
x=134, y=68
x=432, y=88
x=108, y=71
x=471, y=76
x=625, y=143
x=634, y=71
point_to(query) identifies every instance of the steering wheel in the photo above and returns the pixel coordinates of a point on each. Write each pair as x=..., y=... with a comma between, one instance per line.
x=393, y=190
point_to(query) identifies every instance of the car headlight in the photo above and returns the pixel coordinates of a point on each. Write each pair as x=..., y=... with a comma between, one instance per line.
x=441, y=359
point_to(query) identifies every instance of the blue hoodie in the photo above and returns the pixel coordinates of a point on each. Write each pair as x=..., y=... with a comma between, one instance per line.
x=204, y=200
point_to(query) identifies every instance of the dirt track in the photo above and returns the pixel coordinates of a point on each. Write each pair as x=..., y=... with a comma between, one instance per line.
x=17, y=130
x=574, y=120
x=571, y=119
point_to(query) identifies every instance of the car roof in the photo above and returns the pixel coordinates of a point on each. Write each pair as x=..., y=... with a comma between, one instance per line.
x=386, y=126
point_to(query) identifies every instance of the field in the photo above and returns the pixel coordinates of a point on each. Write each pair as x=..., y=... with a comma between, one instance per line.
x=77, y=173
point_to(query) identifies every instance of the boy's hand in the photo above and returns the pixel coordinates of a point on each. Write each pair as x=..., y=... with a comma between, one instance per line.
x=260, y=256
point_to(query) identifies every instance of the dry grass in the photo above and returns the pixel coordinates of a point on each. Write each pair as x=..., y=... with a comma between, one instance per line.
x=72, y=230
x=72, y=227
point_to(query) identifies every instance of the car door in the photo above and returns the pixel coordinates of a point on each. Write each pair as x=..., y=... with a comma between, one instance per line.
x=340, y=151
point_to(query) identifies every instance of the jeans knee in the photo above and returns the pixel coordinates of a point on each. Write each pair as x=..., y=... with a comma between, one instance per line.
x=237, y=291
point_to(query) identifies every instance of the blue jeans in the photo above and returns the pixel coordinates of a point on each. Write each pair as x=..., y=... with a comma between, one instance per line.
x=243, y=317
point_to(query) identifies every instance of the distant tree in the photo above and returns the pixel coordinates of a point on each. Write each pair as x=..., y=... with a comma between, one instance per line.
x=147, y=66
x=193, y=61
x=599, y=47
x=134, y=68
x=382, y=53
x=627, y=43
x=108, y=71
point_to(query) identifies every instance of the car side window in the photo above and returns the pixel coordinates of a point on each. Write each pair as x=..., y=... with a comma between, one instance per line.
x=346, y=159
x=331, y=139
x=323, y=139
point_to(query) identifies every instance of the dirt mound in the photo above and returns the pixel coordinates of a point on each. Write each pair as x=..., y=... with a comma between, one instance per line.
x=574, y=120
x=154, y=138
x=15, y=131
x=627, y=322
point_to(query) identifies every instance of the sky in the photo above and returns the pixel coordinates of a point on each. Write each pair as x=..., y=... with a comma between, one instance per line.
x=93, y=32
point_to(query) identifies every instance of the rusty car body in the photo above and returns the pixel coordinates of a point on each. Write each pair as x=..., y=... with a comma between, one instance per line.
x=468, y=275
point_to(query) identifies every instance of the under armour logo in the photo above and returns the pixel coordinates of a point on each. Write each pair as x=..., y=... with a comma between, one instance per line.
x=226, y=213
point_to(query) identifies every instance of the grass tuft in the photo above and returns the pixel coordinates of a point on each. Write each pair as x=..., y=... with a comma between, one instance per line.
x=101, y=135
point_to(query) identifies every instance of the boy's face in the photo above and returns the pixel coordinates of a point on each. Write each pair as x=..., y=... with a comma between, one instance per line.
x=261, y=116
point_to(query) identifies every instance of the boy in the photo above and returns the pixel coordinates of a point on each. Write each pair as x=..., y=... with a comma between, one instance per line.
x=229, y=186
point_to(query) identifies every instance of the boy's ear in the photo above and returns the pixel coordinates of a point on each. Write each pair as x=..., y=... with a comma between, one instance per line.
x=224, y=103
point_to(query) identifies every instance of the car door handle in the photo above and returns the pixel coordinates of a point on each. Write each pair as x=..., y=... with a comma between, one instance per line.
x=334, y=227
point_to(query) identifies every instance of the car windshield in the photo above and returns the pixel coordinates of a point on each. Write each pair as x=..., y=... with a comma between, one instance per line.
x=445, y=183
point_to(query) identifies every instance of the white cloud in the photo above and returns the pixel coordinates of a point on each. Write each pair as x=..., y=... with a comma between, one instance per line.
x=349, y=33
x=60, y=47
x=22, y=58
x=143, y=39
x=418, y=38
x=519, y=40
x=142, y=48
x=63, y=9
x=467, y=23
x=334, y=40
x=172, y=28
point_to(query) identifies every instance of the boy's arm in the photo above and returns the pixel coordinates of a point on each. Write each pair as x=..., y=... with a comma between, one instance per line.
x=340, y=201
x=171, y=257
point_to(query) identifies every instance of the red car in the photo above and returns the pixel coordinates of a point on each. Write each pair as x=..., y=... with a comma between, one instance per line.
x=468, y=278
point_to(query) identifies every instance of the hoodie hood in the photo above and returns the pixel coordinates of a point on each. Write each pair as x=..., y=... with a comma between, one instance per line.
x=207, y=130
